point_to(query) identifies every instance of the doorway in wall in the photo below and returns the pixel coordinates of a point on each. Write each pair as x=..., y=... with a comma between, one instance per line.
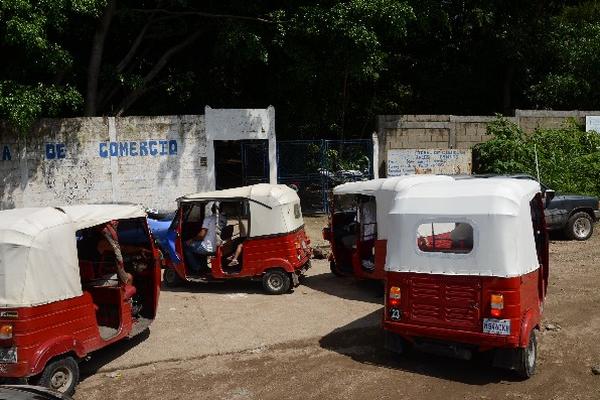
x=241, y=162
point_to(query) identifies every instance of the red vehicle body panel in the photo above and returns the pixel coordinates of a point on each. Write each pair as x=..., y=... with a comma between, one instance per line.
x=452, y=308
x=260, y=254
x=71, y=326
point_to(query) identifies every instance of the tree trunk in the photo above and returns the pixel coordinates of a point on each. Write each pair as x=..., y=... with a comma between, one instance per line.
x=507, y=89
x=160, y=64
x=91, y=96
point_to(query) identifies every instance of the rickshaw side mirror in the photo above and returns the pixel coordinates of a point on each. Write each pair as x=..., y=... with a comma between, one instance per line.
x=548, y=196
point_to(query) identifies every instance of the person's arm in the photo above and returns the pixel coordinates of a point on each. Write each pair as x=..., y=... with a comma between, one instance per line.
x=121, y=273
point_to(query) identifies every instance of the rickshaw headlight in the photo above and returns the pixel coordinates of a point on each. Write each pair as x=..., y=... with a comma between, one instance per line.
x=497, y=304
x=6, y=332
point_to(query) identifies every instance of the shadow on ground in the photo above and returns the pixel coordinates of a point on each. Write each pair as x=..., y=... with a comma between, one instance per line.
x=346, y=288
x=230, y=286
x=104, y=356
x=362, y=340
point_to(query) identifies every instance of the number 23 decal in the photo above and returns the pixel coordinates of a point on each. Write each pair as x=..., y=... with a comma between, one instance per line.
x=395, y=314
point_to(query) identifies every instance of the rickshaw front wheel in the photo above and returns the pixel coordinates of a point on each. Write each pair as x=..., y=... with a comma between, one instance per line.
x=276, y=281
x=61, y=375
x=334, y=270
x=527, y=358
x=170, y=277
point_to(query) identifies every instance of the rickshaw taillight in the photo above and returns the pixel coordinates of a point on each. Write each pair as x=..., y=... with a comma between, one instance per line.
x=497, y=304
x=395, y=296
x=6, y=332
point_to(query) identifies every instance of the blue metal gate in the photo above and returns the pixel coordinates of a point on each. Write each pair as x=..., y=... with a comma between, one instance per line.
x=314, y=167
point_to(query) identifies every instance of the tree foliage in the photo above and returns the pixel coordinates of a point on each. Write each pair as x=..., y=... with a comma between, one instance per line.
x=568, y=158
x=328, y=66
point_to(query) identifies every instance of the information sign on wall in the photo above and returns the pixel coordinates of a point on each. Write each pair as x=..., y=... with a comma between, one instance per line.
x=592, y=123
x=428, y=161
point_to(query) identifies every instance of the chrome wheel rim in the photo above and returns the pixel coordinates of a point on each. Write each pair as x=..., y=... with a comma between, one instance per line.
x=61, y=380
x=582, y=227
x=275, y=281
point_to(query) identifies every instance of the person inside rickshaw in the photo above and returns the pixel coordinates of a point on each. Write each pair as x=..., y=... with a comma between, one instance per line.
x=110, y=255
x=344, y=220
x=367, y=217
x=214, y=230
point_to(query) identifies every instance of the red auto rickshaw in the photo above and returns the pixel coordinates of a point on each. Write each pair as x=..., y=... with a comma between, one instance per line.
x=260, y=226
x=359, y=225
x=467, y=270
x=61, y=297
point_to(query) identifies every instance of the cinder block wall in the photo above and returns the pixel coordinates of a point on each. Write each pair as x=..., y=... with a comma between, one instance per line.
x=145, y=160
x=456, y=132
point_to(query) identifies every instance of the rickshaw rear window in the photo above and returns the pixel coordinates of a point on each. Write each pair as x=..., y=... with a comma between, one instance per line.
x=445, y=237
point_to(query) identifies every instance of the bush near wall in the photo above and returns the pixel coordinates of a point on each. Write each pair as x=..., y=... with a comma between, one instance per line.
x=569, y=158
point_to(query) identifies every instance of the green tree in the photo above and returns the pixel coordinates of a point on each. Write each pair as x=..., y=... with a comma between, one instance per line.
x=568, y=158
x=36, y=63
x=570, y=78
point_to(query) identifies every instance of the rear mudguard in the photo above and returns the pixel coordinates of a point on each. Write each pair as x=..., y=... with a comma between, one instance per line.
x=271, y=263
x=528, y=324
x=55, y=347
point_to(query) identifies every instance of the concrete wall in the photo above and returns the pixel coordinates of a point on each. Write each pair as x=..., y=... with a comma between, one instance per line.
x=145, y=160
x=241, y=124
x=456, y=132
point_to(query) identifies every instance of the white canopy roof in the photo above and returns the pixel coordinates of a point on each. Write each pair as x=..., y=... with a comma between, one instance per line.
x=86, y=216
x=38, y=257
x=282, y=212
x=264, y=193
x=497, y=209
x=385, y=190
x=38, y=251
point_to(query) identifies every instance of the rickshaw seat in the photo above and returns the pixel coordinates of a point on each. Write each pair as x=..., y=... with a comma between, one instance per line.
x=129, y=291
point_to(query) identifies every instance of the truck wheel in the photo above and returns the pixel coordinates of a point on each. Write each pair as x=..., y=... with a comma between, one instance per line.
x=333, y=269
x=527, y=358
x=61, y=375
x=170, y=277
x=580, y=226
x=276, y=281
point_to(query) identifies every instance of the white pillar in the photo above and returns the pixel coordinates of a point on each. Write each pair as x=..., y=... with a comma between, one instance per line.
x=375, y=155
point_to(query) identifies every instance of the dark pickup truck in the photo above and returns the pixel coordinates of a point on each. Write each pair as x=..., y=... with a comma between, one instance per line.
x=573, y=214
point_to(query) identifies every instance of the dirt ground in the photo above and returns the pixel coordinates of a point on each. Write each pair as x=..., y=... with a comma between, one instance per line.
x=323, y=341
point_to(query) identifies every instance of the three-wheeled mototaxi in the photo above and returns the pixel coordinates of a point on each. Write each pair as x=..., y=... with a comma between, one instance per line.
x=358, y=227
x=64, y=293
x=261, y=226
x=467, y=270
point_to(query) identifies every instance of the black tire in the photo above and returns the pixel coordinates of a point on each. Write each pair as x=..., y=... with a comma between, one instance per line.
x=61, y=375
x=334, y=270
x=276, y=281
x=170, y=277
x=580, y=226
x=527, y=358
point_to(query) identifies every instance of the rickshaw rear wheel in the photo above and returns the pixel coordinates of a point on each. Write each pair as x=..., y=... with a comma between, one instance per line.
x=334, y=270
x=61, y=375
x=276, y=281
x=170, y=277
x=527, y=358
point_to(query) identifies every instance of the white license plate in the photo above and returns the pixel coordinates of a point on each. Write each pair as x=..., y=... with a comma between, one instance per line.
x=496, y=326
x=8, y=355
